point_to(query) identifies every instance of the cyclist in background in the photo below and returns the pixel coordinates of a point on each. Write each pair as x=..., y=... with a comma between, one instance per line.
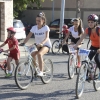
x=94, y=37
x=13, y=49
x=76, y=31
x=42, y=41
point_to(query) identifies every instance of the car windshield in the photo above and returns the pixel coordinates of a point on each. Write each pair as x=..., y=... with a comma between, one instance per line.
x=55, y=23
x=18, y=24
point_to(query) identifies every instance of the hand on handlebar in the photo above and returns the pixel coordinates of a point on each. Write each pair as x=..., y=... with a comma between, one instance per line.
x=75, y=47
x=40, y=45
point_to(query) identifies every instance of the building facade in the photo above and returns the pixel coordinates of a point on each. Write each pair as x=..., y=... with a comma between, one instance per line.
x=6, y=17
x=52, y=10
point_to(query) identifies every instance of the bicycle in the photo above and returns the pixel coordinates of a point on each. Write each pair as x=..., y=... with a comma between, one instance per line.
x=3, y=66
x=30, y=68
x=88, y=68
x=72, y=61
x=57, y=46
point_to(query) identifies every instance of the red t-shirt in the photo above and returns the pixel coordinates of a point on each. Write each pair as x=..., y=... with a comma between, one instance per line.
x=11, y=42
x=65, y=31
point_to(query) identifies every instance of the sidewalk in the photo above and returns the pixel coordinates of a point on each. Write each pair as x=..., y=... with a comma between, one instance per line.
x=22, y=50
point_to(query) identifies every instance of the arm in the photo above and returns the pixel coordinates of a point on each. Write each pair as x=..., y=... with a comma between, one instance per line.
x=46, y=38
x=80, y=40
x=27, y=38
x=10, y=49
x=65, y=38
x=98, y=51
x=2, y=44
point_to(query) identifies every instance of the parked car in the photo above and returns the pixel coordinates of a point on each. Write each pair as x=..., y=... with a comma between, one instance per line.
x=27, y=26
x=20, y=29
x=55, y=25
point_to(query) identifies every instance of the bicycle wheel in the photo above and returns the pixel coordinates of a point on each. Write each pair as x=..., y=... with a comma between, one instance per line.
x=4, y=69
x=12, y=68
x=56, y=47
x=71, y=66
x=48, y=71
x=23, y=75
x=96, y=82
x=80, y=82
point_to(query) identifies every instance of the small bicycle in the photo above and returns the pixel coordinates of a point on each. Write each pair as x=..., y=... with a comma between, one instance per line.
x=28, y=70
x=88, y=68
x=57, y=46
x=3, y=66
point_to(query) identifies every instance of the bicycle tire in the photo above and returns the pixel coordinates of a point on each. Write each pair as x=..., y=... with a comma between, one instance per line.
x=81, y=77
x=48, y=67
x=6, y=70
x=56, y=47
x=26, y=73
x=71, y=66
x=96, y=82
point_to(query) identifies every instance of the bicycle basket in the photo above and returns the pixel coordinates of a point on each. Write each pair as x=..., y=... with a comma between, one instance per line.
x=83, y=52
x=30, y=49
x=71, y=49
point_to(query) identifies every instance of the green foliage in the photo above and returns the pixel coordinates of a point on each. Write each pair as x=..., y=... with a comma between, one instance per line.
x=20, y=5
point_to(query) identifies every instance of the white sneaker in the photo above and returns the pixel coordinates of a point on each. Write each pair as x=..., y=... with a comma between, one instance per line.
x=40, y=74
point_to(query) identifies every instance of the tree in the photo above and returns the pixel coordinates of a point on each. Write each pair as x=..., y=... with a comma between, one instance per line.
x=20, y=5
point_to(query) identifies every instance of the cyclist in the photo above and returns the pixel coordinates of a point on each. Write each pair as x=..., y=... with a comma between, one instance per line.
x=76, y=31
x=64, y=32
x=94, y=37
x=41, y=33
x=13, y=49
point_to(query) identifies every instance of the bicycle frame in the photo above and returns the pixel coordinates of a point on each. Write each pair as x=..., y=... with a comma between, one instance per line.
x=30, y=59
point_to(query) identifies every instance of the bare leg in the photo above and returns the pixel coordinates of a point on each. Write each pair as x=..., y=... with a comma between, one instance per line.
x=8, y=63
x=40, y=54
x=34, y=56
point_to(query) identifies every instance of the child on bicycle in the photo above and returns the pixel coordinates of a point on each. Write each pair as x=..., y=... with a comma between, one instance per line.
x=94, y=37
x=13, y=49
x=76, y=31
x=42, y=40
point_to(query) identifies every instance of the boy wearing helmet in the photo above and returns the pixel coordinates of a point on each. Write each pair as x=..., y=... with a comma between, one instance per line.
x=94, y=37
x=13, y=49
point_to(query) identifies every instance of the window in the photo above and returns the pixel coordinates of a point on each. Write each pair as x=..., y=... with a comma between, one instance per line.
x=55, y=23
x=18, y=24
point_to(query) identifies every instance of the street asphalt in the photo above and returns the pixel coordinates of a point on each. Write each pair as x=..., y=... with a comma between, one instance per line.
x=60, y=88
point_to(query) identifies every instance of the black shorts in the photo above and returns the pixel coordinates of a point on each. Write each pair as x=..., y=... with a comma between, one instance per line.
x=74, y=40
x=92, y=54
x=45, y=46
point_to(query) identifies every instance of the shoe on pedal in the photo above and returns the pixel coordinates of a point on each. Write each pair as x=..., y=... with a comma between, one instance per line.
x=40, y=74
x=8, y=75
x=79, y=65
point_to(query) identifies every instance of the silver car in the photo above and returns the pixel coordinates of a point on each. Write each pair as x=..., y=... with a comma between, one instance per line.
x=20, y=29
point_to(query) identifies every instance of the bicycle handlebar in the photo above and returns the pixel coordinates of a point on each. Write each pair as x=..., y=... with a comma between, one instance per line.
x=6, y=54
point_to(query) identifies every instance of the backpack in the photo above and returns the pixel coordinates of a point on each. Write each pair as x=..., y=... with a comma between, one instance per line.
x=89, y=33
